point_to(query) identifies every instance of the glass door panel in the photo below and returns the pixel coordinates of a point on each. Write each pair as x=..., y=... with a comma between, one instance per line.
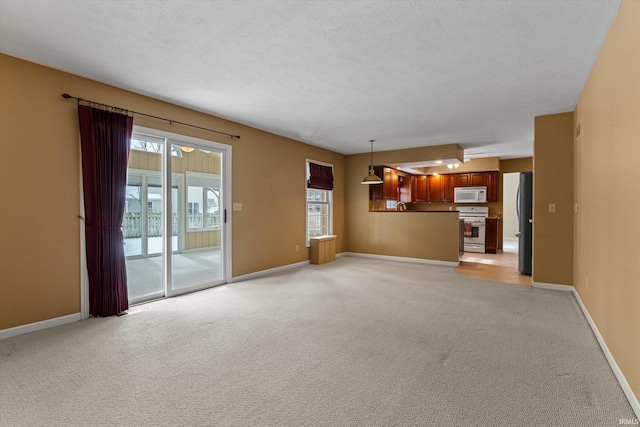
x=200, y=264
x=142, y=224
x=154, y=216
x=132, y=222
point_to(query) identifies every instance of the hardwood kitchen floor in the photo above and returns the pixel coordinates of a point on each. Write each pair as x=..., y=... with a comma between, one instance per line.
x=501, y=267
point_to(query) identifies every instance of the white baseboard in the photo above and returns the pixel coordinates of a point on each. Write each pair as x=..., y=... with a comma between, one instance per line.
x=268, y=271
x=403, y=259
x=553, y=286
x=626, y=388
x=37, y=326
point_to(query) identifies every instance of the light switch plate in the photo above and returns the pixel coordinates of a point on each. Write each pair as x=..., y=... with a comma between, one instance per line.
x=552, y=207
x=237, y=207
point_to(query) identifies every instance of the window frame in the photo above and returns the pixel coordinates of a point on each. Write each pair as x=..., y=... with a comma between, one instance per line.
x=329, y=201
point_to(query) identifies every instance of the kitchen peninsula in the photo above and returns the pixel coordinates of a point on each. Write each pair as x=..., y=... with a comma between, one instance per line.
x=425, y=235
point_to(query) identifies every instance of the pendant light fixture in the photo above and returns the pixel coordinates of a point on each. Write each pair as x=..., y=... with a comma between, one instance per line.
x=372, y=178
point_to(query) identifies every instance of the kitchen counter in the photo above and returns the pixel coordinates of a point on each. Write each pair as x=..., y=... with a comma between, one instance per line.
x=425, y=235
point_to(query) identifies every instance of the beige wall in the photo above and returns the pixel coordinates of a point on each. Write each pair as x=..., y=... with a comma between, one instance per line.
x=607, y=232
x=524, y=164
x=39, y=171
x=553, y=184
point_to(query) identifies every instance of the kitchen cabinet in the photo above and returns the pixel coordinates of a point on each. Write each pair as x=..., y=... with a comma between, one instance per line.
x=376, y=191
x=461, y=180
x=473, y=179
x=434, y=188
x=390, y=184
x=492, y=186
x=440, y=188
x=404, y=187
x=478, y=179
x=447, y=188
x=419, y=188
x=389, y=187
x=491, y=235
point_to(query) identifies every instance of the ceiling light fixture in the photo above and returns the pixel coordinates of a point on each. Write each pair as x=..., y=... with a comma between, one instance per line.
x=186, y=149
x=454, y=166
x=372, y=178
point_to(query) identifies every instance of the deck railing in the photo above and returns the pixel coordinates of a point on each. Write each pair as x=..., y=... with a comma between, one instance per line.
x=132, y=223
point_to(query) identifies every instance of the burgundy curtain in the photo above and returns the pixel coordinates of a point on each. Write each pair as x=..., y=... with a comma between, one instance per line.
x=105, y=141
x=320, y=177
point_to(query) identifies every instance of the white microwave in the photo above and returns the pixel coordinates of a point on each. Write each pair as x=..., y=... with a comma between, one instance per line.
x=470, y=195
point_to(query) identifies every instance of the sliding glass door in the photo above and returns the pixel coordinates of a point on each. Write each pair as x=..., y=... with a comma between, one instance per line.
x=174, y=225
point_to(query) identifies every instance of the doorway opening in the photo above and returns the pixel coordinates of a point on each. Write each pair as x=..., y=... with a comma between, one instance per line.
x=510, y=183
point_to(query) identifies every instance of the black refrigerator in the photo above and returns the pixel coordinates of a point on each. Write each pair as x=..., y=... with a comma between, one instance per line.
x=524, y=208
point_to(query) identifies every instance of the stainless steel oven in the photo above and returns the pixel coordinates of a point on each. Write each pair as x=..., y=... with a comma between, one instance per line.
x=475, y=222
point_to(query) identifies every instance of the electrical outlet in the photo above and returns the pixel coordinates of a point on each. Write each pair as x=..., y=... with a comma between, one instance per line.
x=552, y=207
x=575, y=208
x=297, y=248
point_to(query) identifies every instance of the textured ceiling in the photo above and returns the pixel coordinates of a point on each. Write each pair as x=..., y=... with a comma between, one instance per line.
x=333, y=73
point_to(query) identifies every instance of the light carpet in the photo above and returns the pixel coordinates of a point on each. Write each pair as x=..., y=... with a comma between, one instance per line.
x=357, y=342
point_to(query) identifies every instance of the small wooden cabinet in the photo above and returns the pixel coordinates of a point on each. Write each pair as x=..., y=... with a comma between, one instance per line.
x=491, y=236
x=323, y=249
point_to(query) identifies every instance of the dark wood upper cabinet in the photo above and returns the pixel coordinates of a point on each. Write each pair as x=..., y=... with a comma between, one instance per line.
x=478, y=179
x=376, y=191
x=404, y=187
x=390, y=184
x=447, y=187
x=461, y=180
x=388, y=190
x=419, y=188
x=434, y=188
x=492, y=186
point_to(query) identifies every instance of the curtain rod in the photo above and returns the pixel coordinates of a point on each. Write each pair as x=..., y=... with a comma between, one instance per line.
x=67, y=96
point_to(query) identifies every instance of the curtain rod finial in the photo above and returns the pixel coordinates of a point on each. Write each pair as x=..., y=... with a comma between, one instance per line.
x=66, y=96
